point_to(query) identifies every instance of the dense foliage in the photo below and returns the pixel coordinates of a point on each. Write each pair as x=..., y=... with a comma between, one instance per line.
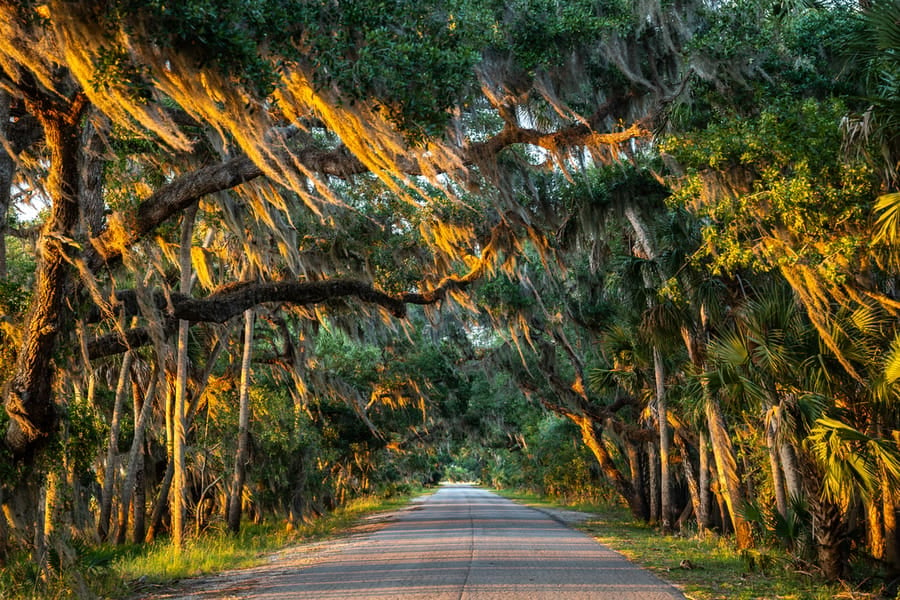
x=262, y=257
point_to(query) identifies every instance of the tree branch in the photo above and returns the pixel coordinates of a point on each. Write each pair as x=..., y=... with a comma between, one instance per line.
x=169, y=200
x=233, y=300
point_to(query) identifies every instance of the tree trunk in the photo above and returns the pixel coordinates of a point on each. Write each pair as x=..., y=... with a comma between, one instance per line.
x=653, y=481
x=92, y=163
x=135, y=456
x=726, y=468
x=642, y=235
x=607, y=465
x=7, y=170
x=874, y=524
x=662, y=416
x=703, y=516
x=179, y=481
x=790, y=466
x=889, y=509
x=689, y=476
x=832, y=542
x=162, y=496
x=781, y=499
x=29, y=400
x=632, y=452
x=139, y=502
x=243, y=443
x=112, y=451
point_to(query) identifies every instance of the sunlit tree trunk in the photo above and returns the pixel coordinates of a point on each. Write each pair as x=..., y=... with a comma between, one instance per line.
x=724, y=456
x=29, y=400
x=662, y=412
x=793, y=479
x=29, y=393
x=112, y=451
x=778, y=484
x=622, y=485
x=142, y=411
x=703, y=517
x=726, y=468
x=889, y=511
x=243, y=442
x=179, y=416
x=874, y=525
x=665, y=481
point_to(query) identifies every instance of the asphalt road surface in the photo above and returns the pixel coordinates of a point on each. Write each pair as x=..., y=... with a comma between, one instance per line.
x=464, y=543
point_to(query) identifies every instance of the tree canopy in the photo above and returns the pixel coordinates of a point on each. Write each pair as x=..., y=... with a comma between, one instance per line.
x=641, y=251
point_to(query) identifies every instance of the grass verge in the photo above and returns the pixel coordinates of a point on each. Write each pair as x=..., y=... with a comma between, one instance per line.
x=109, y=571
x=717, y=569
x=161, y=564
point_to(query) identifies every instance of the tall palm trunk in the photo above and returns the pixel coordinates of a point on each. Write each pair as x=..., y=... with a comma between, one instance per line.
x=662, y=417
x=178, y=498
x=778, y=483
x=726, y=469
x=832, y=542
x=665, y=482
x=889, y=511
x=243, y=446
x=724, y=456
x=704, y=515
x=689, y=476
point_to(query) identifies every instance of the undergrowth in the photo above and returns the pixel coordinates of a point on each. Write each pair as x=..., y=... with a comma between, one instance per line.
x=704, y=566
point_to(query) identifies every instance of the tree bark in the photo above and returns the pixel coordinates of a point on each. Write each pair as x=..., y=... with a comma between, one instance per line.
x=653, y=480
x=726, y=468
x=135, y=459
x=112, y=451
x=178, y=498
x=242, y=453
x=162, y=502
x=662, y=416
x=642, y=234
x=781, y=498
x=29, y=401
x=703, y=517
x=832, y=542
x=889, y=510
x=7, y=170
x=607, y=465
x=689, y=476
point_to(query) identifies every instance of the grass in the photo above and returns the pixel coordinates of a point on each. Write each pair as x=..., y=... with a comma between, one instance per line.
x=121, y=571
x=719, y=570
x=161, y=564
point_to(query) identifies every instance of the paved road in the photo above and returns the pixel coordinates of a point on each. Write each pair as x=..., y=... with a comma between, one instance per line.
x=463, y=543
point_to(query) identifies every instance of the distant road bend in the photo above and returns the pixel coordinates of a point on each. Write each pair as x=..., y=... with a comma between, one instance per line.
x=464, y=543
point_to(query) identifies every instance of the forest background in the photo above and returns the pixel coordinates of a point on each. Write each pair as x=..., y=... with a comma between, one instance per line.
x=290, y=253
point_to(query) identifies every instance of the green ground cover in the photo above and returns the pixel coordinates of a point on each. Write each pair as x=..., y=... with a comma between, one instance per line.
x=703, y=567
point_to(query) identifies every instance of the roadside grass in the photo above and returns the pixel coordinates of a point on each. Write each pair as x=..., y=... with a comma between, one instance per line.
x=109, y=571
x=215, y=551
x=716, y=569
